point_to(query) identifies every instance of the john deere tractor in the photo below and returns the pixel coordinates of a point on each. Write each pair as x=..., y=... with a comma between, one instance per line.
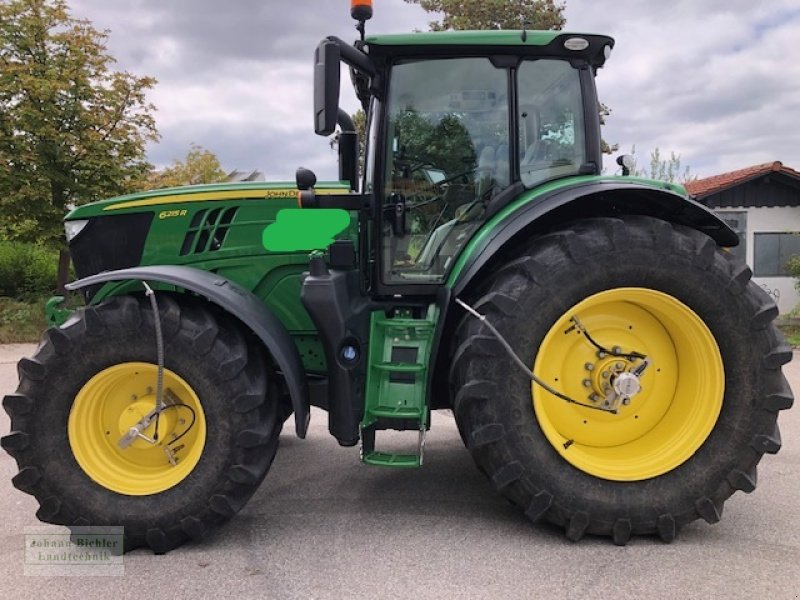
x=610, y=365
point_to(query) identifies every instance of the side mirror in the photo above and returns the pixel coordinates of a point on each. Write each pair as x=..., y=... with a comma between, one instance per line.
x=326, y=87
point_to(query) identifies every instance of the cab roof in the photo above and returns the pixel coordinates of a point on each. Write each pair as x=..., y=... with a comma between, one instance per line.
x=589, y=46
x=499, y=37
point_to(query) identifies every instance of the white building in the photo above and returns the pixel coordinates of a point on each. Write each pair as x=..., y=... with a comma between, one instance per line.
x=762, y=204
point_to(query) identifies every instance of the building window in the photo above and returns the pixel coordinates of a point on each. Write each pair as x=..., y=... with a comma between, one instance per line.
x=771, y=251
x=737, y=220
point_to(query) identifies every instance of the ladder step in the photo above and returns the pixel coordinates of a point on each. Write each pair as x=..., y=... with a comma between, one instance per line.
x=385, y=459
x=404, y=324
x=395, y=397
x=396, y=367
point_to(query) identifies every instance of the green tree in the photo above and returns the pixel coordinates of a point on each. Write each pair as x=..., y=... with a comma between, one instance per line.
x=360, y=121
x=445, y=145
x=199, y=166
x=494, y=14
x=664, y=169
x=72, y=130
x=607, y=148
x=793, y=269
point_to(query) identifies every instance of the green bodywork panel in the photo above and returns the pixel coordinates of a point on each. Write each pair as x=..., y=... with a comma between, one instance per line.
x=536, y=194
x=185, y=221
x=467, y=38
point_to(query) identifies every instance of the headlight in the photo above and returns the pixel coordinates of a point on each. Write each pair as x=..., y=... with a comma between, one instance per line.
x=73, y=228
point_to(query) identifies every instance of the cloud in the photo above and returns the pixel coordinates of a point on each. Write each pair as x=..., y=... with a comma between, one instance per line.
x=236, y=78
x=716, y=81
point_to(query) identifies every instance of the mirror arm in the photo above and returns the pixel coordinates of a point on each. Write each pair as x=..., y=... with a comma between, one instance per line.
x=354, y=57
x=345, y=122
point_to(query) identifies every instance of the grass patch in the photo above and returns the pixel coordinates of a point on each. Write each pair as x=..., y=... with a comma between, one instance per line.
x=21, y=320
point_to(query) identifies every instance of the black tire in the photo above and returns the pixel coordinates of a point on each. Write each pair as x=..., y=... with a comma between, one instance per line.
x=492, y=397
x=229, y=376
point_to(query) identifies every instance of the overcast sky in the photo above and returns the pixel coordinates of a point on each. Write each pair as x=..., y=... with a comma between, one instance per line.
x=717, y=81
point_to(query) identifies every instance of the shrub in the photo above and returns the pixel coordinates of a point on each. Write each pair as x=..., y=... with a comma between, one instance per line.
x=793, y=268
x=27, y=269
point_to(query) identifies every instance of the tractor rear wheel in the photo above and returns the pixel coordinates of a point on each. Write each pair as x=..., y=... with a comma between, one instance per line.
x=581, y=307
x=94, y=378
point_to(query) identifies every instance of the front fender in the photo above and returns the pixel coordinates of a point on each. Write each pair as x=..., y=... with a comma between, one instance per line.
x=240, y=303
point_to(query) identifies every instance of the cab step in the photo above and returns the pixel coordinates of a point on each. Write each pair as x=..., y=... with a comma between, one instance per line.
x=377, y=458
x=397, y=379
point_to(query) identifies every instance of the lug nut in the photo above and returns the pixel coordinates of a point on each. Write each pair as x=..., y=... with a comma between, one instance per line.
x=605, y=374
x=589, y=367
x=601, y=354
x=626, y=401
x=587, y=383
x=619, y=366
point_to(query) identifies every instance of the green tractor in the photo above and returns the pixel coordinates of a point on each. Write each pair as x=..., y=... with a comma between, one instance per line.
x=610, y=366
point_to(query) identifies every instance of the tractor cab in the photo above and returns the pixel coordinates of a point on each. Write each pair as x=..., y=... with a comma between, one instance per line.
x=459, y=125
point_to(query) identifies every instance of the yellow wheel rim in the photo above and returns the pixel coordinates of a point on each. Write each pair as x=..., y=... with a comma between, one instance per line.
x=672, y=415
x=112, y=402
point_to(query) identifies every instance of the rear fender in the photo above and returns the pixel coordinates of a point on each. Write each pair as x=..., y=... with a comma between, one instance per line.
x=598, y=199
x=240, y=303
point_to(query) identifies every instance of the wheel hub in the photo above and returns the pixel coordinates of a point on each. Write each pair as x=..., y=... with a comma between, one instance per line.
x=119, y=400
x=613, y=380
x=627, y=385
x=657, y=404
x=137, y=412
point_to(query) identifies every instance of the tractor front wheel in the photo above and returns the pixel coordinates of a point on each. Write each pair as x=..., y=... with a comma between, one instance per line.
x=93, y=380
x=669, y=354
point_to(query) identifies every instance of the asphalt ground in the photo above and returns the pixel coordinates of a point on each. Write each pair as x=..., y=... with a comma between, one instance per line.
x=324, y=526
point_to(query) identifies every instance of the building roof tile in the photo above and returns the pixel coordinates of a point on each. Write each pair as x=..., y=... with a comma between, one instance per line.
x=700, y=188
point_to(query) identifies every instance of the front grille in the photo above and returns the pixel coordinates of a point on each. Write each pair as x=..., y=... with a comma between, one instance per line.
x=109, y=243
x=207, y=230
